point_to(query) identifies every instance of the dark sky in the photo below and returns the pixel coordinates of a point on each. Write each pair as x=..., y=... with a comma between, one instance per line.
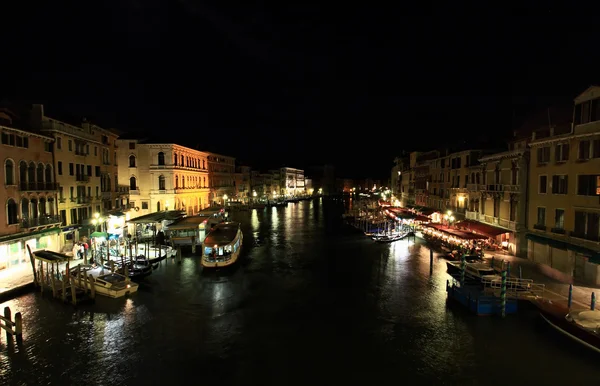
x=298, y=85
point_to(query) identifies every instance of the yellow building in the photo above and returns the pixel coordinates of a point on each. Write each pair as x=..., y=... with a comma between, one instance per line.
x=163, y=176
x=86, y=171
x=221, y=176
x=564, y=207
x=496, y=204
x=29, y=196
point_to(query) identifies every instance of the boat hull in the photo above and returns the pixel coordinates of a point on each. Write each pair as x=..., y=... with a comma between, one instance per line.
x=556, y=316
x=222, y=263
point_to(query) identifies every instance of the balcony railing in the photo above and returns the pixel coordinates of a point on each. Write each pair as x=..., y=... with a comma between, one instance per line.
x=84, y=199
x=40, y=221
x=82, y=178
x=134, y=192
x=38, y=186
x=472, y=187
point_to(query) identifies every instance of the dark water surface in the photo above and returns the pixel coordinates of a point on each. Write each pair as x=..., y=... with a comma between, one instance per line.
x=312, y=303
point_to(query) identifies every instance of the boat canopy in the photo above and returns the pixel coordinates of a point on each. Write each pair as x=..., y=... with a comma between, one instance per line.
x=223, y=233
x=50, y=257
x=191, y=222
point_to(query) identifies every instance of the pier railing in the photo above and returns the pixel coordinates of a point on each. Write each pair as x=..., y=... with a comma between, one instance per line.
x=519, y=288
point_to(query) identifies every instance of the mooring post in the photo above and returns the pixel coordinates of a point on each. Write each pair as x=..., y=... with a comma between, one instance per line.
x=492, y=262
x=53, y=282
x=592, y=304
x=508, y=269
x=463, y=266
x=503, y=294
x=520, y=273
x=79, y=273
x=431, y=261
x=73, y=292
x=92, y=286
x=570, y=299
x=19, y=327
x=64, y=288
x=7, y=315
x=179, y=254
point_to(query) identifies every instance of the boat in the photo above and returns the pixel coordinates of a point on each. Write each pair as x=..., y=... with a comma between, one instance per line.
x=106, y=282
x=390, y=238
x=222, y=245
x=136, y=269
x=191, y=230
x=582, y=326
x=473, y=270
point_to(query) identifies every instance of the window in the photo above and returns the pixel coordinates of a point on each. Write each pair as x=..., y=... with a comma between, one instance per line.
x=559, y=219
x=71, y=171
x=132, y=161
x=587, y=225
x=161, y=183
x=559, y=184
x=131, y=145
x=543, y=185
x=48, y=174
x=596, y=148
x=584, y=150
x=541, y=216
x=70, y=145
x=561, y=153
x=97, y=192
x=161, y=158
x=48, y=147
x=89, y=170
x=587, y=184
x=543, y=155
x=132, y=183
x=11, y=212
x=97, y=171
x=9, y=172
x=59, y=143
x=144, y=204
x=96, y=151
x=59, y=166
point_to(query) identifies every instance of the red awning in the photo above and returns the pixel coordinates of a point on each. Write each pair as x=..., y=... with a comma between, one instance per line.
x=455, y=232
x=479, y=227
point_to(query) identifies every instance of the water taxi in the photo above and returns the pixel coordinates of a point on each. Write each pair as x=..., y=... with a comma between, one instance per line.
x=221, y=247
x=192, y=230
x=106, y=283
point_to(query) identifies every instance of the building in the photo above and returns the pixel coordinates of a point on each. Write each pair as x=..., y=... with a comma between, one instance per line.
x=164, y=176
x=243, y=184
x=496, y=199
x=564, y=207
x=29, y=196
x=221, y=170
x=85, y=162
x=292, y=182
x=401, y=164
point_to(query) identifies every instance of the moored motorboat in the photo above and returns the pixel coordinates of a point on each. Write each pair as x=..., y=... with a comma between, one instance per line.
x=106, y=282
x=474, y=271
x=222, y=245
x=582, y=326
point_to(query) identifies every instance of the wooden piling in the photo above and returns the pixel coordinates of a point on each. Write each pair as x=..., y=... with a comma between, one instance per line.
x=179, y=254
x=19, y=327
x=79, y=273
x=53, y=282
x=85, y=282
x=73, y=291
x=7, y=315
x=64, y=288
x=42, y=277
x=92, y=286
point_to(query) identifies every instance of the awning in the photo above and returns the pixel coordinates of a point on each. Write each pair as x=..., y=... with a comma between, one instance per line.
x=457, y=233
x=479, y=227
x=593, y=256
x=151, y=218
x=28, y=235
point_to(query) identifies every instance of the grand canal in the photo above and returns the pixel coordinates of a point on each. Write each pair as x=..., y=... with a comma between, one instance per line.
x=313, y=302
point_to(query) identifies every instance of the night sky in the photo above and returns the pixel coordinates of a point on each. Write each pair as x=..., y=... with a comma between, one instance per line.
x=298, y=85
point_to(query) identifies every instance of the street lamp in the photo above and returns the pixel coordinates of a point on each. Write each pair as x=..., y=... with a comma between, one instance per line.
x=224, y=199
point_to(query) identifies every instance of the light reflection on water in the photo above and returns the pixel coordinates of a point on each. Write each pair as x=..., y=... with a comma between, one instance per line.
x=312, y=300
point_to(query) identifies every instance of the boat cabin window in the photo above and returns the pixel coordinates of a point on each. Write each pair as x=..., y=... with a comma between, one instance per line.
x=207, y=251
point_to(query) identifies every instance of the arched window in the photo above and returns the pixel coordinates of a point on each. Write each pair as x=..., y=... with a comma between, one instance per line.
x=161, y=158
x=11, y=212
x=175, y=159
x=49, y=175
x=181, y=160
x=24, y=208
x=31, y=173
x=40, y=173
x=132, y=161
x=158, y=206
x=23, y=173
x=161, y=183
x=132, y=183
x=176, y=182
x=9, y=172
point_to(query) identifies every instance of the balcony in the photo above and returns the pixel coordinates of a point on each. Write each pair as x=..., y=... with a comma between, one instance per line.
x=40, y=222
x=494, y=188
x=134, y=192
x=585, y=236
x=82, y=178
x=38, y=186
x=472, y=187
x=82, y=153
x=84, y=199
x=491, y=220
x=539, y=227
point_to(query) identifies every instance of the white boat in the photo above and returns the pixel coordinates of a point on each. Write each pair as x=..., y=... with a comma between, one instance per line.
x=106, y=283
x=222, y=245
x=192, y=230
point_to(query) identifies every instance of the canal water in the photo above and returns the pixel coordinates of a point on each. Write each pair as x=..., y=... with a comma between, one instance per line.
x=311, y=302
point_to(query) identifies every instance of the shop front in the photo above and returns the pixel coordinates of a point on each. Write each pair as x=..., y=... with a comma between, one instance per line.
x=13, y=248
